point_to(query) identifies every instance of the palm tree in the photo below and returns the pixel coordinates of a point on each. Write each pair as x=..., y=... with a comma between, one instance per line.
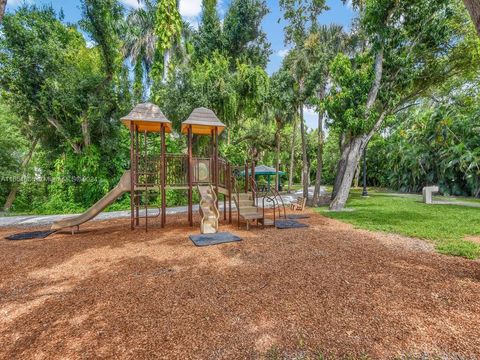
x=139, y=44
x=299, y=64
x=282, y=109
x=321, y=47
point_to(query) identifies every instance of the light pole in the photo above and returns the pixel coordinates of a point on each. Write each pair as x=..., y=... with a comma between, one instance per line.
x=365, y=191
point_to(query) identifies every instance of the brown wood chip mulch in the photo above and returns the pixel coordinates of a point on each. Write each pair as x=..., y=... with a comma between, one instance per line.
x=329, y=289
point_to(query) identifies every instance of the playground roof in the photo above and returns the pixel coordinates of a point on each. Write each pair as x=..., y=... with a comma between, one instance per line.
x=203, y=121
x=148, y=117
x=263, y=170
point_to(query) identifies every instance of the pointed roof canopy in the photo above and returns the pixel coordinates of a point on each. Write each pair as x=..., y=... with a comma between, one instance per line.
x=202, y=121
x=147, y=117
x=263, y=170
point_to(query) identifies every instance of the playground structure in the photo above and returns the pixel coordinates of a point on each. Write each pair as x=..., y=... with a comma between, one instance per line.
x=154, y=171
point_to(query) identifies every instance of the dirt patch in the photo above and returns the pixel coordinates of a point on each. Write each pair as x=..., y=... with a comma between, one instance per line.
x=475, y=239
x=108, y=292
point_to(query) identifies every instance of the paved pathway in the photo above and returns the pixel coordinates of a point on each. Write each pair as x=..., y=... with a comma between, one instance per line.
x=46, y=220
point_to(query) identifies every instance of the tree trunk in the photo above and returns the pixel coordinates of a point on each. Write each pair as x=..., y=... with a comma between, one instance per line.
x=3, y=5
x=292, y=156
x=473, y=7
x=318, y=175
x=166, y=64
x=352, y=151
x=356, y=178
x=351, y=155
x=85, y=131
x=76, y=148
x=13, y=191
x=305, y=176
x=340, y=168
x=277, y=155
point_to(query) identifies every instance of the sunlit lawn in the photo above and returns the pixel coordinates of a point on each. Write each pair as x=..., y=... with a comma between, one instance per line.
x=445, y=225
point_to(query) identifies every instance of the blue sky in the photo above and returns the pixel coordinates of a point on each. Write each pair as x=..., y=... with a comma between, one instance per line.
x=190, y=9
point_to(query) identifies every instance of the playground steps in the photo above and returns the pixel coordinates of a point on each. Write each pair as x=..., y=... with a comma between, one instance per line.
x=246, y=209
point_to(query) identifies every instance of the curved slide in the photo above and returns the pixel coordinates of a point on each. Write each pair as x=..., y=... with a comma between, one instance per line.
x=122, y=187
x=208, y=210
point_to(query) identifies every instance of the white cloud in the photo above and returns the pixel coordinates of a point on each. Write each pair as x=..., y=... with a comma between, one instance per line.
x=131, y=3
x=15, y=3
x=283, y=52
x=189, y=8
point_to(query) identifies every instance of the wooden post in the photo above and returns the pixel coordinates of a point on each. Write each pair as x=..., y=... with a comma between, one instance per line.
x=132, y=176
x=229, y=182
x=254, y=191
x=137, y=198
x=246, y=177
x=216, y=161
x=163, y=175
x=146, y=173
x=190, y=177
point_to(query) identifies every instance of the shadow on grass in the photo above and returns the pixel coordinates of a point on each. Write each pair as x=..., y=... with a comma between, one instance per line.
x=445, y=225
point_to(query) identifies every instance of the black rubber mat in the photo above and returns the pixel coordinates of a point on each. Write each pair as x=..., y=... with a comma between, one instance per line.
x=30, y=235
x=298, y=216
x=213, y=239
x=289, y=224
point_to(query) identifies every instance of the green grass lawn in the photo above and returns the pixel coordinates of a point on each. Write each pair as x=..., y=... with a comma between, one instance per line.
x=445, y=225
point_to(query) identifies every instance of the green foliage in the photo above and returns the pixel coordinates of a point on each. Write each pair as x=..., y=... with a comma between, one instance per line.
x=13, y=146
x=302, y=17
x=168, y=24
x=208, y=38
x=101, y=19
x=69, y=96
x=168, y=27
x=437, y=142
x=139, y=43
x=243, y=38
x=423, y=45
x=444, y=225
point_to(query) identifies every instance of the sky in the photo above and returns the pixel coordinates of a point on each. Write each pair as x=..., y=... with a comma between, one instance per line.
x=190, y=9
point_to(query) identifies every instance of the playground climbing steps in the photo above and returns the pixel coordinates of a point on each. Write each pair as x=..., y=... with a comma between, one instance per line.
x=247, y=209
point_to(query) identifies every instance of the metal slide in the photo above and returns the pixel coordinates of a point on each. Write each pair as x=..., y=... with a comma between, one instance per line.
x=122, y=187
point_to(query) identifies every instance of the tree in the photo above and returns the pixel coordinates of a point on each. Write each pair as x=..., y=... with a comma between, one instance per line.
x=301, y=16
x=411, y=48
x=436, y=142
x=243, y=38
x=321, y=47
x=168, y=29
x=139, y=43
x=282, y=106
x=102, y=19
x=208, y=38
x=16, y=150
x=473, y=7
x=69, y=95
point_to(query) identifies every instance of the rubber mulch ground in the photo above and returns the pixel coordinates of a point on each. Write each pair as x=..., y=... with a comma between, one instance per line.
x=328, y=289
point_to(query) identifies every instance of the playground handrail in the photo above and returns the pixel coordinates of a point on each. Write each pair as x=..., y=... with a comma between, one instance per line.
x=237, y=199
x=253, y=186
x=269, y=199
x=277, y=194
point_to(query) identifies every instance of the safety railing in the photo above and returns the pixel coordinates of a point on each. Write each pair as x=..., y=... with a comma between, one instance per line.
x=176, y=169
x=202, y=170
